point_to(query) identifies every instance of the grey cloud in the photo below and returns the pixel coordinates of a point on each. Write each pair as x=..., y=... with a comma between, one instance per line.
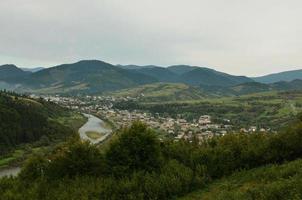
x=236, y=36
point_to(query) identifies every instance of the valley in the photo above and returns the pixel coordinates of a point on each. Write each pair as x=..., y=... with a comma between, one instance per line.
x=184, y=129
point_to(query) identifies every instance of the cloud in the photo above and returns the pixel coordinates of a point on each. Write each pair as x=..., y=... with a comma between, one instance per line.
x=239, y=37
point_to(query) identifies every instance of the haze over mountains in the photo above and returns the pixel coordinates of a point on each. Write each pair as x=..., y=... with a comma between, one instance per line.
x=93, y=76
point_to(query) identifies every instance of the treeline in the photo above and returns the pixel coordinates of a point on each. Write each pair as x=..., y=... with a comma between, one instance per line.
x=138, y=166
x=25, y=120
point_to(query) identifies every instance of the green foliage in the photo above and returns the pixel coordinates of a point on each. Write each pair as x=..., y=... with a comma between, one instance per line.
x=25, y=120
x=272, y=182
x=137, y=166
x=136, y=149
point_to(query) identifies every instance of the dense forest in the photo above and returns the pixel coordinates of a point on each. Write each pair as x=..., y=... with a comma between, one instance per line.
x=26, y=120
x=136, y=165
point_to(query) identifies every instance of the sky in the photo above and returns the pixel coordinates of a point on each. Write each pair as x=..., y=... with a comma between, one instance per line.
x=241, y=37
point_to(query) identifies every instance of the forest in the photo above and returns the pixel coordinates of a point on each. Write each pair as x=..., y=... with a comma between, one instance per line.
x=25, y=120
x=136, y=165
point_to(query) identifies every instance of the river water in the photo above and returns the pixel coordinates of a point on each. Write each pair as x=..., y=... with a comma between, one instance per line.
x=10, y=172
x=96, y=125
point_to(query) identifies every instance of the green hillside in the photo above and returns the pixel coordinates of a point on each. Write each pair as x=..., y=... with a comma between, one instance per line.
x=11, y=73
x=84, y=77
x=282, y=76
x=206, y=76
x=263, y=183
x=34, y=122
x=162, y=92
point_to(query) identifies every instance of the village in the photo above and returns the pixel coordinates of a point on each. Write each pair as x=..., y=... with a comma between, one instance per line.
x=202, y=128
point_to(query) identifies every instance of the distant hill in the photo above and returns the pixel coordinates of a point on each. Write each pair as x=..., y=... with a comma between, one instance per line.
x=87, y=76
x=181, y=69
x=161, y=74
x=191, y=75
x=255, y=87
x=162, y=92
x=93, y=76
x=210, y=77
x=11, y=73
x=136, y=66
x=282, y=76
x=36, y=69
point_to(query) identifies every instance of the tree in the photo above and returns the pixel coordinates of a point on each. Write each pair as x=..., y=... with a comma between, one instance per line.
x=137, y=148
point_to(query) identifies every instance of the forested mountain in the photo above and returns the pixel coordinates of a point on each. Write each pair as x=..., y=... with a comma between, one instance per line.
x=282, y=76
x=25, y=120
x=210, y=77
x=36, y=69
x=87, y=76
x=255, y=87
x=93, y=76
x=181, y=69
x=11, y=73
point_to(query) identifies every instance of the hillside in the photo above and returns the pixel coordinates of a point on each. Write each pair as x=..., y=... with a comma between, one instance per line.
x=162, y=92
x=161, y=74
x=11, y=73
x=25, y=120
x=88, y=76
x=282, y=76
x=255, y=87
x=181, y=69
x=210, y=77
x=263, y=183
x=93, y=76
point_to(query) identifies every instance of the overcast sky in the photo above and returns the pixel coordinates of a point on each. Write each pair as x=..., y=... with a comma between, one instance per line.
x=243, y=37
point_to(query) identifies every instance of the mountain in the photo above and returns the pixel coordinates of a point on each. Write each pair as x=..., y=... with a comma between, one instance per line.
x=209, y=77
x=162, y=92
x=181, y=69
x=10, y=73
x=161, y=74
x=282, y=76
x=255, y=87
x=87, y=76
x=93, y=76
x=191, y=75
x=136, y=66
x=36, y=69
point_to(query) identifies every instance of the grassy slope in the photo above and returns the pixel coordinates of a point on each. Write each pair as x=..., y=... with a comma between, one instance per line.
x=270, y=182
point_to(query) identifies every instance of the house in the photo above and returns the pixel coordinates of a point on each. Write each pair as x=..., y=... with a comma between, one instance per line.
x=204, y=119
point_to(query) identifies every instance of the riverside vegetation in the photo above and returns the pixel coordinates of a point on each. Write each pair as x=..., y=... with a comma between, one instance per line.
x=28, y=125
x=136, y=165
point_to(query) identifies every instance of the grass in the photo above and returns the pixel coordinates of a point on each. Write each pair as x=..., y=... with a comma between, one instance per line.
x=94, y=135
x=73, y=120
x=268, y=182
x=12, y=158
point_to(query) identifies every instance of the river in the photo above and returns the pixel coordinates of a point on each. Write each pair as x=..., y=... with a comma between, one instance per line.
x=94, y=124
x=13, y=171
